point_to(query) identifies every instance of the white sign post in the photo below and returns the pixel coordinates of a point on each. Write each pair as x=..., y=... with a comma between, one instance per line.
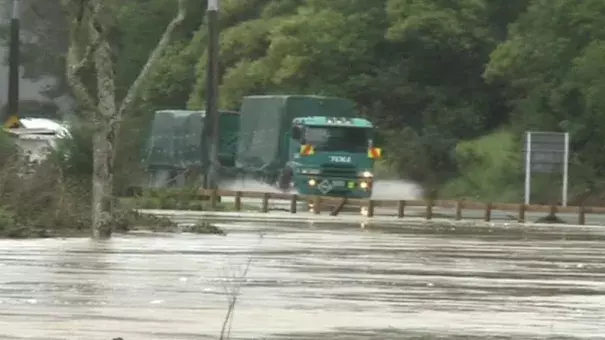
x=546, y=152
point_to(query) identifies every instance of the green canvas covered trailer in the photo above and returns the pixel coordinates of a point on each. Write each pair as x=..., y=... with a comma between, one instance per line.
x=174, y=143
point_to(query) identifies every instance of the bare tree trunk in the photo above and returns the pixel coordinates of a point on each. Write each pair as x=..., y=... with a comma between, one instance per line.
x=96, y=56
x=103, y=141
x=102, y=186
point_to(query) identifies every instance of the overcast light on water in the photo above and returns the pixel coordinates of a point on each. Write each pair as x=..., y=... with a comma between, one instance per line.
x=308, y=282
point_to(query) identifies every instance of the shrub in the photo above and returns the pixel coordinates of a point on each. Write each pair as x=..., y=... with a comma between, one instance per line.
x=73, y=154
x=9, y=226
x=53, y=197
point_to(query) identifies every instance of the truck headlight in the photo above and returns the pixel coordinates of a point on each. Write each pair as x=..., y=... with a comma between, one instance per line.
x=310, y=171
x=367, y=174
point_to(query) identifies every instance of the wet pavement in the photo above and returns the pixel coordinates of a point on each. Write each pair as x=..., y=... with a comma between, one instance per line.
x=310, y=281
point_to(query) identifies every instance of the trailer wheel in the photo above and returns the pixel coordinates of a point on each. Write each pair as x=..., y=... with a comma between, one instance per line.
x=285, y=178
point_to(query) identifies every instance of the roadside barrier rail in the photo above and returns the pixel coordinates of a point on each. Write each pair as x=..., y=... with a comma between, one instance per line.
x=398, y=208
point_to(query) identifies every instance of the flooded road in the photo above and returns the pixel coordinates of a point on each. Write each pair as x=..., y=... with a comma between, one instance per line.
x=310, y=282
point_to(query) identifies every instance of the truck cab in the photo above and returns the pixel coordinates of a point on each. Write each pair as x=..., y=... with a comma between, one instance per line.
x=316, y=145
x=331, y=156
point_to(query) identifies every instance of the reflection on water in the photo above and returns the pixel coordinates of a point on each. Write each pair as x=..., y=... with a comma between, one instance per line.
x=325, y=281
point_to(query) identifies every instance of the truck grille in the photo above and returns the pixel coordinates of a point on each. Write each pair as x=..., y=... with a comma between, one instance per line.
x=332, y=170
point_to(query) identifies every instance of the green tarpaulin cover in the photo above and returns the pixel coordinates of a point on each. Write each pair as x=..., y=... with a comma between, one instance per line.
x=266, y=122
x=175, y=138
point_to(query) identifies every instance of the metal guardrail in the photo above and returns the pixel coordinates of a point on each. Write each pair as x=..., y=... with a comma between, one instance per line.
x=336, y=204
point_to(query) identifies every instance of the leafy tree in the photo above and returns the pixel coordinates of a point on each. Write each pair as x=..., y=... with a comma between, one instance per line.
x=551, y=68
x=415, y=64
x=430, y=73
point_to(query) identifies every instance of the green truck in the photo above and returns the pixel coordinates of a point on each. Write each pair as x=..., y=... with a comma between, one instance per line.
x=315, y=145
x=174, y=148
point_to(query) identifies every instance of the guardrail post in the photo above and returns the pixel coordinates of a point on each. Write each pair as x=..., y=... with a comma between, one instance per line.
x=581, y=215
x=316, y=205
x=213, y=199
x=265, y=206
x=338, y=208
x=552, y=210
x=488, y=212
x=293, y=204
x=238, y=201
x=522, y=209
x=214, y=195
x=370, y=208
x=429, y=209
x=400, y=209
x=458, y=210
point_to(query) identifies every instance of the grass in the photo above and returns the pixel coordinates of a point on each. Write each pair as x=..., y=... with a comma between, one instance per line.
x=491, y=169
x=125, y=221
x=495, y=149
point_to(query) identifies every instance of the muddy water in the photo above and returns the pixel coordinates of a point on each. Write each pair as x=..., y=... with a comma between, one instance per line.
x=309, y=282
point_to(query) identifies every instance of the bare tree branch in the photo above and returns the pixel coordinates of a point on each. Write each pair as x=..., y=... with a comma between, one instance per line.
x=103, y=66
x=90, y=54
x=232, y=296
x=75, y=60
x=108, y=122
x=154, y=57
x=80, y=91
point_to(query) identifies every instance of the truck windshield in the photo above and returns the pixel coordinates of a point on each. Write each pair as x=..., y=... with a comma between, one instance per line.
x=338, y=138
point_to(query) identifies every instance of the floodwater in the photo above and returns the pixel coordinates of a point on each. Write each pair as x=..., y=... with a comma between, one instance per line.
x=307, y=281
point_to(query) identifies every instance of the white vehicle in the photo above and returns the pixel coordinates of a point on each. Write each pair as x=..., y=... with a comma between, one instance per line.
x=36, y=137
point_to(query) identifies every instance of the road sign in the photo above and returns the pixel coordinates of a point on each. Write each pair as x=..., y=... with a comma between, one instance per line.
x=546, y=152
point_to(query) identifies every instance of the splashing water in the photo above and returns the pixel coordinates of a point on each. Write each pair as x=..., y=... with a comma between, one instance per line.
x=248, y=185
x=383, y=189
x=396, y=190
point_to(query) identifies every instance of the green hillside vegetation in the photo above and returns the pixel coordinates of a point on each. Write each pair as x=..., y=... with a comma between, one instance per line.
x=452, y=85
x=490, y=169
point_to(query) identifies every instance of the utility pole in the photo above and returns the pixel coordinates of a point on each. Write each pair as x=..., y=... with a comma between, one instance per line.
x=12, y=112
x=211, y=121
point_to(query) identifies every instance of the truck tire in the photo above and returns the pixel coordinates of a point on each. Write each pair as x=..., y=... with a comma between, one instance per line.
x=285, y=178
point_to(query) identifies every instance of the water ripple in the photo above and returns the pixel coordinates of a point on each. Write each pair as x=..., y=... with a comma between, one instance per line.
x=310, y=281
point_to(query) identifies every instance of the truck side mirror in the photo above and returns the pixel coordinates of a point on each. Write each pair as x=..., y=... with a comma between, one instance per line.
x=296, y=133
x=378, y=139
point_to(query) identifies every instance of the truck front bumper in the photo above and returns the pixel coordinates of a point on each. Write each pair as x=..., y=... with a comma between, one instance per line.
x=334, y=186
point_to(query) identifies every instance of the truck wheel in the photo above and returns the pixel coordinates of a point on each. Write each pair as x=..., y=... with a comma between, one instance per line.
x=285, y=178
